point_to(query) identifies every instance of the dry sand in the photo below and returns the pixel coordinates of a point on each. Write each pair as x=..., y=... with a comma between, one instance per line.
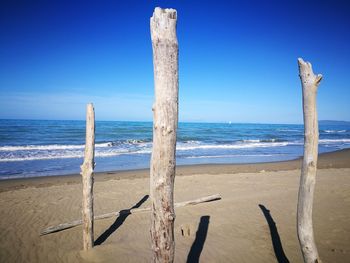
x=254, y=222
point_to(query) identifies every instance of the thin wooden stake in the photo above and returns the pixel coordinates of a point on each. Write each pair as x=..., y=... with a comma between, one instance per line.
x=165, y=120
x=64, y=226
x=87, y=170
x=309, y=82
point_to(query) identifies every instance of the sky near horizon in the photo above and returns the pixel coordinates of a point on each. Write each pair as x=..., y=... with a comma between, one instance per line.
x=237, y=59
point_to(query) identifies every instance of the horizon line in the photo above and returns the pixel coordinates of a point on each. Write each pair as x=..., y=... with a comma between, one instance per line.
x=186, y=121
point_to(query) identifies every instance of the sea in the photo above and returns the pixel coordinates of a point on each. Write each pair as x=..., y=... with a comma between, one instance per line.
x=31, y=148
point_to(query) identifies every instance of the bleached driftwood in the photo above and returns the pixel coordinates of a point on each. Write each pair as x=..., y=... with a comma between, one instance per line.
x=64, y=226
x=309, y=82
x=87, y=170
x=165, y=121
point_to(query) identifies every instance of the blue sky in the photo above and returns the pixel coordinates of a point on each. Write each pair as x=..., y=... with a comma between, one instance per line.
x=237, y=59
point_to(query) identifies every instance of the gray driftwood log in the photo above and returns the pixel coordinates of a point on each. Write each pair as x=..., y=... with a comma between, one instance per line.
x=309, y=82
x=64, y=226
x=87, y=170
x=165, y=120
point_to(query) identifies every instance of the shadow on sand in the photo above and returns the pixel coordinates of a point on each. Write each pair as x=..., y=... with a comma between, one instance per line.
x=276, y=241
x=201, y=235
x=118, y=222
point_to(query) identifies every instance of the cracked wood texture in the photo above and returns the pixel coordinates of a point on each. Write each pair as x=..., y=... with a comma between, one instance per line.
x=309, y=82
x=165, y=121
x=87, y=170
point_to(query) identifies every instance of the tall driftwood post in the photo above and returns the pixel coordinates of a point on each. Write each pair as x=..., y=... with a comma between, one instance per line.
x=165, y=119
x=309, y=82
x=88, y=180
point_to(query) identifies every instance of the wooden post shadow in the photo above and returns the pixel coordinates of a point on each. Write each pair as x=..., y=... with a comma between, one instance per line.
x=276, y=240
x=198, y=244
x=118, y=222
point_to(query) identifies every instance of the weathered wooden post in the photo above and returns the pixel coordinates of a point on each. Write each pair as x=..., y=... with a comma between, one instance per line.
x=309, y=82
x=165, y=120
x=87, y=170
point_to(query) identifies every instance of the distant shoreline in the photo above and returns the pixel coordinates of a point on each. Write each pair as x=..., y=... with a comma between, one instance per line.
x=336, y=159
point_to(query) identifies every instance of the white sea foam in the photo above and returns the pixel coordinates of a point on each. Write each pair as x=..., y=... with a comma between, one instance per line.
x=192, y=142
x=228, y=156
x=334, y=131
x=334, y=141
x=47, y=152
x=251, y=140
x=264, y=140
x=49, y=147
x=35, y=158
x=63, y=155
x=233, y=146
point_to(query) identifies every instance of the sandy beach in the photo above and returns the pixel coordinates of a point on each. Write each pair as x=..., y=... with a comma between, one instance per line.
x=221, y=111
x=255, y=221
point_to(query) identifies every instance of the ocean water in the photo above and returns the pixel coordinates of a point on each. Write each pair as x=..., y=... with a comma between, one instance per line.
x=42, y=148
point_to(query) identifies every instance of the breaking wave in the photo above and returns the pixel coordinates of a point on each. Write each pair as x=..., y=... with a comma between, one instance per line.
x=136, y=147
